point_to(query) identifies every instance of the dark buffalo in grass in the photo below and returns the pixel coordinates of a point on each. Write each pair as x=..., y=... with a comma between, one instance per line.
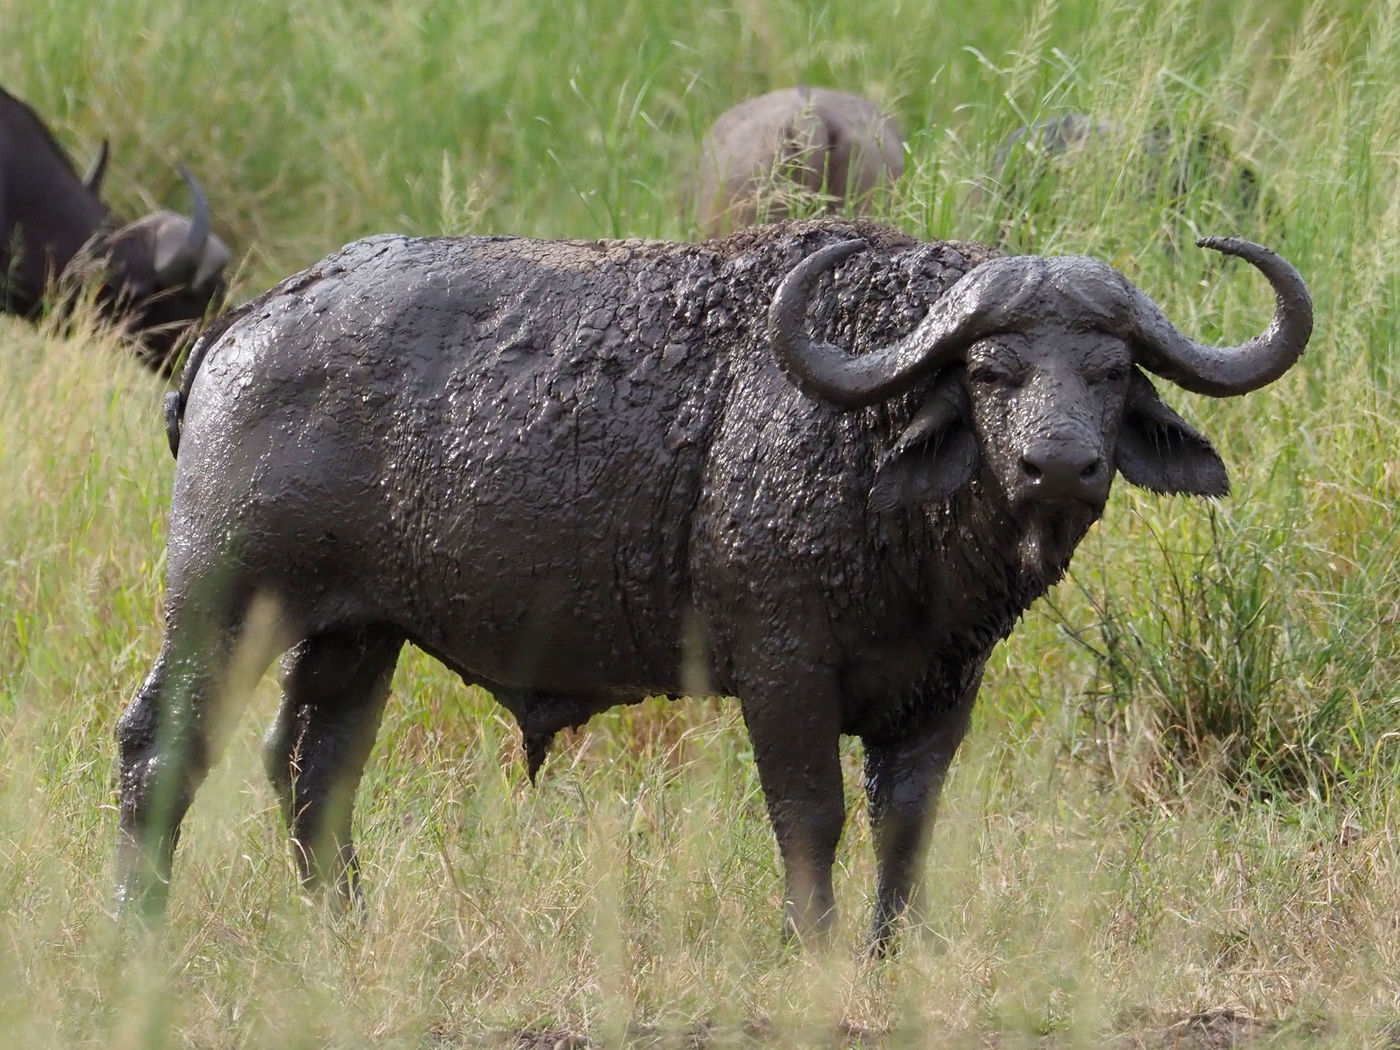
x=846, y=459
x=155, y=276
x=1162, y=169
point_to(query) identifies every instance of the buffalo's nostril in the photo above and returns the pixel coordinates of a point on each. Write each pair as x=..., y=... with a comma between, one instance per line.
x=1032, y=470
x=1091, y=470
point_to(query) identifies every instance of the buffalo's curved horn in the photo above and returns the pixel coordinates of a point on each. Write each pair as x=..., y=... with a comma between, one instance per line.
x=989, y=298
x=183, y=262
x=92, y=181
x=1225, y=371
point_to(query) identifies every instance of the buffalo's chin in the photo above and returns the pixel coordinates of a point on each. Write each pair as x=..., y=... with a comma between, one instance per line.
x=1050, y=531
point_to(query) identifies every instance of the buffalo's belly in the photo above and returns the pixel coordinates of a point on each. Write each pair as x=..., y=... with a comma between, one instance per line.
x=588, y=595
x=539, y=636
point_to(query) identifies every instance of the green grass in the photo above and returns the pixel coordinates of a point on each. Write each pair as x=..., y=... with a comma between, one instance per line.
x=1180, y=793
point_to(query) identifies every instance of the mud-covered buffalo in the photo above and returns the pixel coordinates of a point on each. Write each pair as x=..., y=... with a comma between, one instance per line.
x=846, y=459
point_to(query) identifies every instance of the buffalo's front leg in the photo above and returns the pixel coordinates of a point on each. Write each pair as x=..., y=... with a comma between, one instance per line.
x=903, y=779
x=796, y=749
x=334, y=691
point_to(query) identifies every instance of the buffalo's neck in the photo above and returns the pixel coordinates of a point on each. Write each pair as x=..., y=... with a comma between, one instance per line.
x=966, y=584
x=988, y=566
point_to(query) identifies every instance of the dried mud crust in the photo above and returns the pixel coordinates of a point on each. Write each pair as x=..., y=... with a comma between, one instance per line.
x=1210, y=1030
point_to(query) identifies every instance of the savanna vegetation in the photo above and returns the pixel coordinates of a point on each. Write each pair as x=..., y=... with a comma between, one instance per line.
x=1175, y=820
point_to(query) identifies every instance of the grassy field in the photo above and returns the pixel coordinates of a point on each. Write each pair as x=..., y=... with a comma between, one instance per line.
x=1175, y=820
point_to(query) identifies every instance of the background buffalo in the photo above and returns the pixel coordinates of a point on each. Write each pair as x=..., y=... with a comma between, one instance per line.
x=154, y=277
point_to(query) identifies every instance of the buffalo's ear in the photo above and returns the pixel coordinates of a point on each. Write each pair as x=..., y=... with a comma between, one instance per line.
x=1158, y=450
x=935, y=456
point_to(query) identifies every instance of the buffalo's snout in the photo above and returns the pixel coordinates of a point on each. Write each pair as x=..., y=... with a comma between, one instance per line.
x=1063, y=470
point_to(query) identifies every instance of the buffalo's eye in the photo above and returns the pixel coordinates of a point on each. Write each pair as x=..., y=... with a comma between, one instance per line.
x=1112, y=374
x=995, y=378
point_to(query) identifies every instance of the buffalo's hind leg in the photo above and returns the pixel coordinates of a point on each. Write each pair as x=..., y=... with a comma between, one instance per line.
x=334, y=687
x=165, y=749
x=903, y=779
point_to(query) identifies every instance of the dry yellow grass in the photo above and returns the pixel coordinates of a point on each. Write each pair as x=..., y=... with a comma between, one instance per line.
x=1175, y=817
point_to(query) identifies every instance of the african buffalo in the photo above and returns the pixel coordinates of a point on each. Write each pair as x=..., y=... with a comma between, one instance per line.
x=1164, y=167
x=768, y=154
x=846, y=458
x=156, y=275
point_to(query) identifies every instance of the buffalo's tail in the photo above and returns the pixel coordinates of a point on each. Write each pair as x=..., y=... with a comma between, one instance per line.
x=176, y=400
x=174, y=413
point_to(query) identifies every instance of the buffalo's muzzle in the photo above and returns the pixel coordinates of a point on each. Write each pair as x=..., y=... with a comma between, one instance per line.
x=1051, y=471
